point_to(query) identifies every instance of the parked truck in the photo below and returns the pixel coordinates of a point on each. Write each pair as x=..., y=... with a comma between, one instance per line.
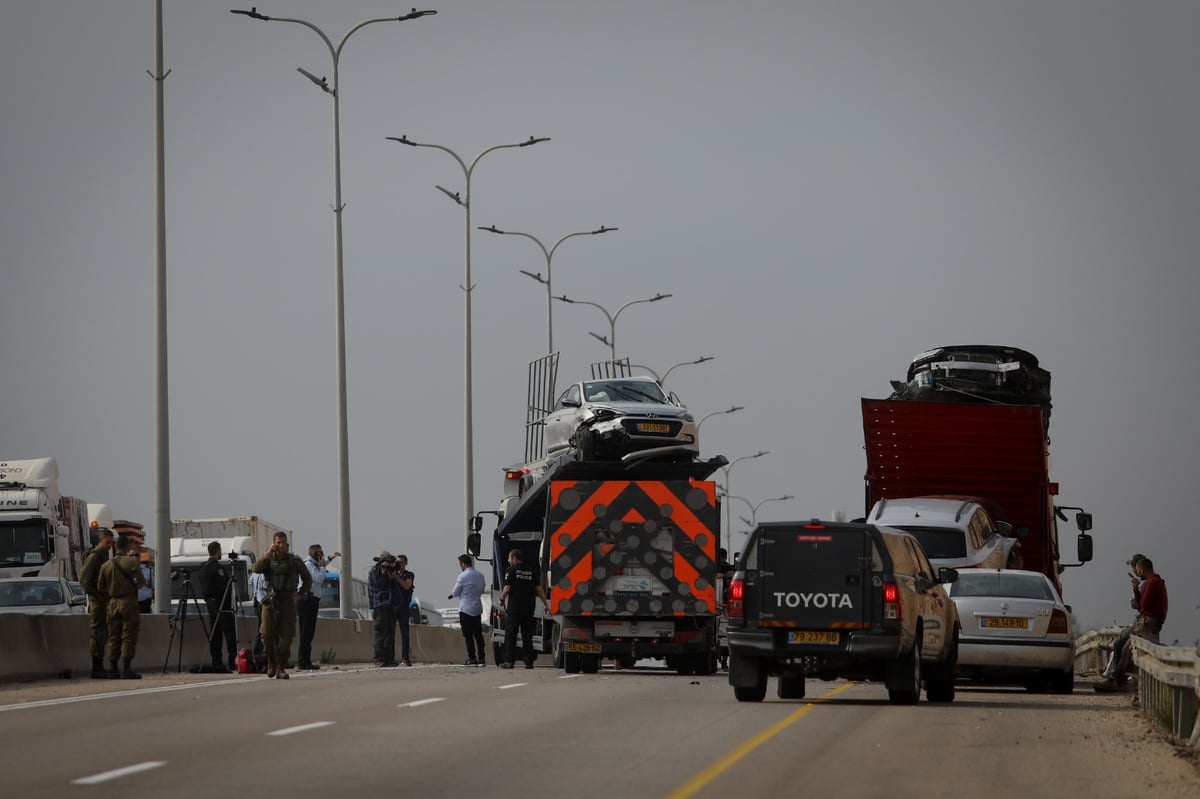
x=243, y=540
x=42, y=532
x=628, y=551
x=968, y=431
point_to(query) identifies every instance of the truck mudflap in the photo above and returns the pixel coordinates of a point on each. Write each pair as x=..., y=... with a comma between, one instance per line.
x=637, y=648
x=633, y=548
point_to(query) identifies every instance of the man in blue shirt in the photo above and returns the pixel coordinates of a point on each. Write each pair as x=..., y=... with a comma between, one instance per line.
x=468, y=588
x=309, y=606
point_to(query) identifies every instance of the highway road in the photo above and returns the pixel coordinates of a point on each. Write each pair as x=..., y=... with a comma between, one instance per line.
x=454, y=731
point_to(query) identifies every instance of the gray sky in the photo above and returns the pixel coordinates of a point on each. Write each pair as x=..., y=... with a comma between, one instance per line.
x=826, y=188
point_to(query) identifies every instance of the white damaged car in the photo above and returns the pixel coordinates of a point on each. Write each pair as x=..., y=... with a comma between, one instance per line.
x=623, y=418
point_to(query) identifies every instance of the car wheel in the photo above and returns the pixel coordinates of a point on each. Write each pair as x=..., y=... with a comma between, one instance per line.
x=939, y=685
x=589, y=664
x=906, y=673
x=1063, y=682
x=586, y=444
x=571, y=664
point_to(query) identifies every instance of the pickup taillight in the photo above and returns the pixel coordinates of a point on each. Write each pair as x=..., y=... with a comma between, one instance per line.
x=737, y=590
x=891, y=602
x=1059, y=625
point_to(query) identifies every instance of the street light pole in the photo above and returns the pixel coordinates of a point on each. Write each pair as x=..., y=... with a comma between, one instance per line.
x=611, y=341
x=728, y=487
x=549, y=253
x=468, y=412
x=662, y=381
x=343, y=447
x=733, y=409
x=753, y=520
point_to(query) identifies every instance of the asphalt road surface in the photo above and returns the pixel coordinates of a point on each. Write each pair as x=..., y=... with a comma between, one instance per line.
x=454, y=731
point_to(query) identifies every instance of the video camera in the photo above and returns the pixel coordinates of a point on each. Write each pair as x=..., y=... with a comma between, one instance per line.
x=233, y=555
x=387, y=564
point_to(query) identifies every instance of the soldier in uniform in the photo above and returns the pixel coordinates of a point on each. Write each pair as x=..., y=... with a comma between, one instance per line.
x=282, y=570
x=120, y=579
x=89, y=576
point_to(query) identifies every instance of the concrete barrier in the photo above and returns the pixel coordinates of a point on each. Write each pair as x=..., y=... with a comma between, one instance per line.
x=37, y=647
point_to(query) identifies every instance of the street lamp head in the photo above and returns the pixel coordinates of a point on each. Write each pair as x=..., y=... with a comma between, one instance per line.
x=403, y=139
x=658, y=297
x=602, y=339
x=414, y=14
x=536, y=276
x=493, y=229
x=533, y=140
x=453, y=195
x=703, y=359
x=564, y=298
x=322, y=82
x=252, y=13
x=603, y=229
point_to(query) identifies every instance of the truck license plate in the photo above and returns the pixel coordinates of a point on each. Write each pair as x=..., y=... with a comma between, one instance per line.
x=588, y=649
x=812, y=637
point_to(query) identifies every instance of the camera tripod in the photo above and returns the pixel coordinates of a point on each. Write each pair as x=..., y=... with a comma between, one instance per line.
x=180, y=619
x=229, y=603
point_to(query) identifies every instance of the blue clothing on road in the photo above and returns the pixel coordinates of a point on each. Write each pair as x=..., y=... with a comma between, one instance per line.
x=468, y=589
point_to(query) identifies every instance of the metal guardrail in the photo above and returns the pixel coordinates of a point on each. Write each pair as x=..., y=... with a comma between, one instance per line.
x=1168, y=679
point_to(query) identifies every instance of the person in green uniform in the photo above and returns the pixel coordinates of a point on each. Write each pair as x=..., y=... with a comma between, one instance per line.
x=89, y=576
x=120, y=579
x=281, y=570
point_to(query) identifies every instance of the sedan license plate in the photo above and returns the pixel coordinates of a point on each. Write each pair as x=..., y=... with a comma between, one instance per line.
x=1004, y=622
x=589, y=649
x=810, y=637
x=653, y=427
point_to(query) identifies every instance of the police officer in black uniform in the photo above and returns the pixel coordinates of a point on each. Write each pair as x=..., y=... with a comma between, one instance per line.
x=214, y=583
x=521, y=587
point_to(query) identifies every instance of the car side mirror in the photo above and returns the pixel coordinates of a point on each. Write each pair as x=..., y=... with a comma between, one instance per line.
x=475, y=523
x=1084, y=544
x=571, y=403
x=947, y=575
x=1004, y=528
x=78, y=600
x=474, y=541
x=1083, y=520
x=1021, y=532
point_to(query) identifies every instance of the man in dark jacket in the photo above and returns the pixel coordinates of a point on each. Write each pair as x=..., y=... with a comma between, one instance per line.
x=215, y=579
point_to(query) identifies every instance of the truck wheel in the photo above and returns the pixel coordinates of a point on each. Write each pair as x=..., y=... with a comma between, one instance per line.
x=905, y=672
x=702, y=663
x=790, y=686
x=571, y=663
x=748, y=676
x=589, y=664
x=627, y=661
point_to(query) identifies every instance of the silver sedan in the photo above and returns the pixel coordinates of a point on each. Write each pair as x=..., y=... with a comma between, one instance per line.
x=1015, y=628
x=619, y=419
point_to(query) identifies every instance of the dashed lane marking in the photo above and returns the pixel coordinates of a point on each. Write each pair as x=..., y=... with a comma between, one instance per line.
x=420, y=702
x=301, y=728
x=119, y=772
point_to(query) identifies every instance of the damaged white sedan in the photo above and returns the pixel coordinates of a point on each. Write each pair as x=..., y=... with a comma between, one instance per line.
x=625, y=418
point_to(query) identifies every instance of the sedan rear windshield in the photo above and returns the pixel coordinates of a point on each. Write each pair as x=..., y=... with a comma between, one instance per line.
x=940, y=543
x=1013, y=586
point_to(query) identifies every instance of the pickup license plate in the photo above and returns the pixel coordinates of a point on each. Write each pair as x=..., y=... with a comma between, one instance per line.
x=653, y=427
x=589, y=649
x=1004, y=622
x=810, y=637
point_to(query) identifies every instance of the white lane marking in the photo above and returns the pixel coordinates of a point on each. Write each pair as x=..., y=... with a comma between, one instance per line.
x=567, y=676
x=511, y=685
x=301, y=728
x=420, y=702
x=119, y=772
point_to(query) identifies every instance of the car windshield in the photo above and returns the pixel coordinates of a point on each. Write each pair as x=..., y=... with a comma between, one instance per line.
x=623, y=390
x=30, y=593
x=940, y=543
x=1001, y=584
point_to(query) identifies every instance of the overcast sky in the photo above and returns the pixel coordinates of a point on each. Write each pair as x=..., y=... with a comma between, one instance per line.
x=827, y=189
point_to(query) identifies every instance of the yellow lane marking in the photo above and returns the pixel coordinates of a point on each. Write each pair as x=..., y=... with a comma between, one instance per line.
x=695, y=784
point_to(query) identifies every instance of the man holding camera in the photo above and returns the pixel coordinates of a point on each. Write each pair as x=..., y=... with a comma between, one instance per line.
x=215, y=580
x=310, y=606
x=383, y=590
x=282, y=570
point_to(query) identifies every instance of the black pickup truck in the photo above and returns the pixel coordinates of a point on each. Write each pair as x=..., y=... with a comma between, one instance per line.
x=840, y=600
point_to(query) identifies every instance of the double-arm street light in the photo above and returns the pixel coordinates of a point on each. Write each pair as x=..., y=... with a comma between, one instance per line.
x=733, y=409
x=465, y=201
x=662, y=381
x=611, y=340
x=727, y=468
x=335, y=52
x=549, y=253
x=753, y=520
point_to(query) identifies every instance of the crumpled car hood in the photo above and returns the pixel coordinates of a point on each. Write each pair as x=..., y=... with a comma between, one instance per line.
x=639, y=409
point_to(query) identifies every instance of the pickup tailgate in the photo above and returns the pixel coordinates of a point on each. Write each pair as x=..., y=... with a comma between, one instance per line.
x=816, y=579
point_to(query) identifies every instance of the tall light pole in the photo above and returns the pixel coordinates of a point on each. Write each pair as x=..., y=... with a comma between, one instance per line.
x=468, y=414
x=162, y=428
x=611, y=340
x=549, y=253
x=662, y=381
x=343, y=445
x=727, y=468
x=733, y=409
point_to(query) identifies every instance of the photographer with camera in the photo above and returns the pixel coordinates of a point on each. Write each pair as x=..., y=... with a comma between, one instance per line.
x=384, y=596
x=310, y=606
x=282, y=570
x=214, y=587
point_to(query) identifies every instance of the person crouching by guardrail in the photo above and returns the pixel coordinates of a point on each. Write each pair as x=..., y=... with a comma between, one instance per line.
x=281, y=569
x=1152, y=614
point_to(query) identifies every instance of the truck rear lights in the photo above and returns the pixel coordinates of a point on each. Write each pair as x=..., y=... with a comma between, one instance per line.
x=687, y=636
x=737, y=590
x=891, y=602
x=575, y=634
x=1059, y=625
